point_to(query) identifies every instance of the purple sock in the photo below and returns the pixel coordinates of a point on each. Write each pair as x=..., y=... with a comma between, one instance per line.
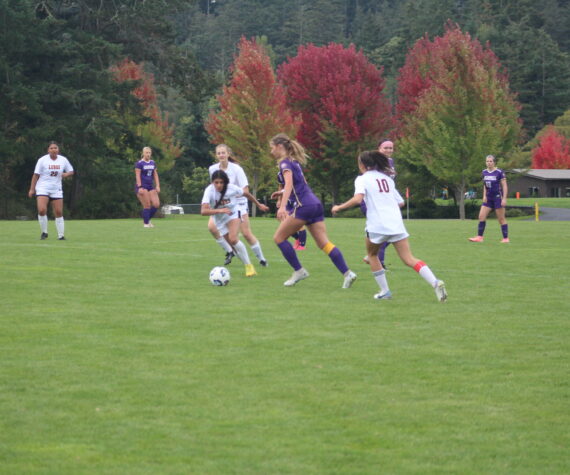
x=289, y=254
x=338, y=260
x=152, y=211
x=481, y=228
x=382, y=251
x=146, y=215
x=302, y=237
x=505, y=230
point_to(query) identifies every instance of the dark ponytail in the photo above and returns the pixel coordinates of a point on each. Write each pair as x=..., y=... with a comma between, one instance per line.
x=224, y=176
x=374, y=160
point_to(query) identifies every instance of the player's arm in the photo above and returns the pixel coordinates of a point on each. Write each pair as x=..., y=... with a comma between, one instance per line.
x=354, y=201
x=287, y=190
x=505, y=189
x=252, y=198
x=32, y=190
x=205, y=210
x=156, y=181
x=138, y=178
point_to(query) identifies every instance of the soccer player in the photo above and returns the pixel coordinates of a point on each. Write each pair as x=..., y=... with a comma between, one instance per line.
x=147, y=186
x=384, y=221
x=237, y=177
x=50, y=170
x=386, y=147
x=221, y=201
x=494, y=198
x=307, y=211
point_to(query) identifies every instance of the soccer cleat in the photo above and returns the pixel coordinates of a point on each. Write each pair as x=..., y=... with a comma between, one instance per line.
x=349, y=279
x=146, y=226
x=381, y=296
x=61, y=238
x=229, y=256
x=250, y=270
x=150, y=225
x=296, y=277
x=476, y=239
x=440, y=291
x=263, y=263
x=44, y=236
x=505, y=240
x=297, y=246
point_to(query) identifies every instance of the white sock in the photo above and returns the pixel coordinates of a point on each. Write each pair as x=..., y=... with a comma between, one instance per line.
x=380, y=278
x=428, y=275
x=256, y=248
x=225, y=245
x=60, y=226
x=43, y=220
x=241, y=252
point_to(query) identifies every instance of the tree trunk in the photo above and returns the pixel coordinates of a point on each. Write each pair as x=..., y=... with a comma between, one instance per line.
x=460, y=198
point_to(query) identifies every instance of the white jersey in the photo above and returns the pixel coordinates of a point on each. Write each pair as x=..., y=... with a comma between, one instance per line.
x=235, y=174
x=51, y=171
x=383, y=215
x=230, y=201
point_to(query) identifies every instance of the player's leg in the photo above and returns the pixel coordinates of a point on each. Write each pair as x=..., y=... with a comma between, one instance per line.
x=287, y=227
x=319, y=232
x=245, y=228
x=483, y=213
x=144, y=199
x=221, y=241
x=377, y=270
x=154, y=205
x=42, y=205
x=232, y=236
x=300, y=239
x=382, y=252
x=57, y=208
x=403, y=249
x=501, y=217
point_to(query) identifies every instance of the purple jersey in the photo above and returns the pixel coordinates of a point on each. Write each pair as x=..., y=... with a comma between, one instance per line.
x=492, y=183
x=301, y=195
x=291, y=203
x=147, y=173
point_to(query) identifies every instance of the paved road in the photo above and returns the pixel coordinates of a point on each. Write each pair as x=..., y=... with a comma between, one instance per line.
x=553, y=214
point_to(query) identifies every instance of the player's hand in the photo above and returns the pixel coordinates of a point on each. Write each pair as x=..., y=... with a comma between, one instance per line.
x=263, y=207
x=335, y=209
x=282, y=214
x=157, y=188
x=276, y=194
x=31, y=193
x=225, y=211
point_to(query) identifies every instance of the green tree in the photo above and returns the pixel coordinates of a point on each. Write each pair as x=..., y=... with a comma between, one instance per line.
x=463, y=110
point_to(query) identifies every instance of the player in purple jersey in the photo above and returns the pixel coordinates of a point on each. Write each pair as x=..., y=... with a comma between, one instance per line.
x=147, y=186
x=307, y=211
x=384, y=221
x=385, y=147
x=494, y=198
x=46, y=186
x=301, y=235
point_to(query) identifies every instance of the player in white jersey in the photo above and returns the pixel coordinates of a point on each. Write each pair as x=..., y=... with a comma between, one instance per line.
x=221, y=201
x=46, y=186
x=384, y=221
x=237, y=177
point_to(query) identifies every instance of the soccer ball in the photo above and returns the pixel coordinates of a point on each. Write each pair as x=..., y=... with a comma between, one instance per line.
x=219, y=276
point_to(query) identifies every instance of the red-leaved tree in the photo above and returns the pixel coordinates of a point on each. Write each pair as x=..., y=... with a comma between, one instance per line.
x=156, y=132
x=552, y=152
x=252, y=109
x=340, y=97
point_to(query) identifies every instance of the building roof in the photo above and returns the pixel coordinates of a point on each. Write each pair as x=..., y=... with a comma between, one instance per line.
x=544, y=174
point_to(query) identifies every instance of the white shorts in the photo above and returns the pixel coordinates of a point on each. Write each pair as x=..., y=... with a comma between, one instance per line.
x=52, y=193
x=243, y=208
x=378, y=238
x=222, y=223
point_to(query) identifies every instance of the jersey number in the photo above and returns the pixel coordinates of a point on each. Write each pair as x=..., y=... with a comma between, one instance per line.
x=53, y=174
x=383, y=186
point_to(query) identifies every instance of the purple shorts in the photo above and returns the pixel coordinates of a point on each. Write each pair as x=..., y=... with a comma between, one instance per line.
x=310, y=213
x=493, y=202
x=146, y=187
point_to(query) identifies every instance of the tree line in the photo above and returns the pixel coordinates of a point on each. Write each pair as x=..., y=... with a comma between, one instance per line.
x=64, y=75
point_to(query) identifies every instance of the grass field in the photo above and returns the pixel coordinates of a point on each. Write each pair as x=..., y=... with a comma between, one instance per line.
x=118, y=356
